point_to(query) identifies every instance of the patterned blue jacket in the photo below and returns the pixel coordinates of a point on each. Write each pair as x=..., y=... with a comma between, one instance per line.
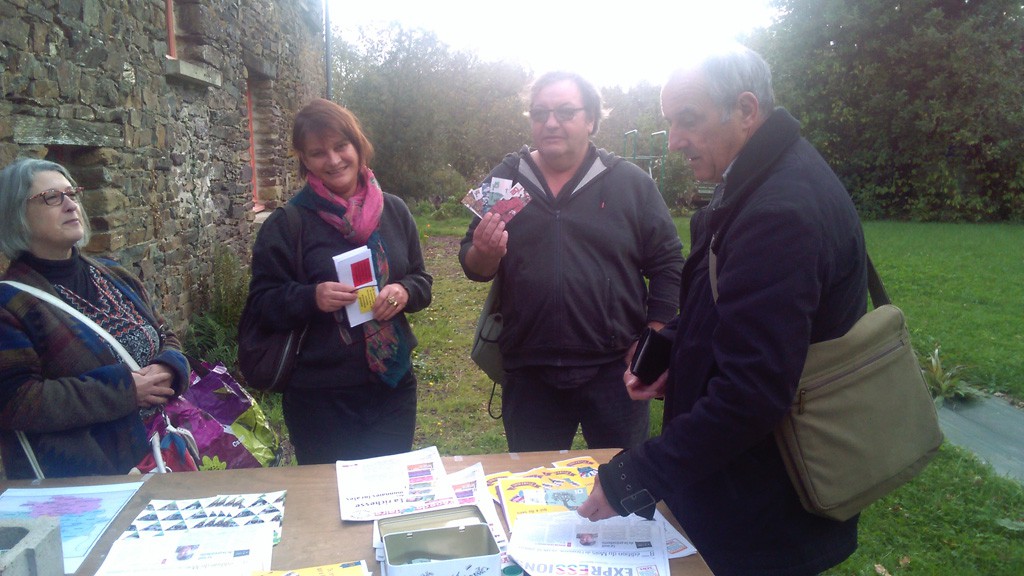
x=62, y=385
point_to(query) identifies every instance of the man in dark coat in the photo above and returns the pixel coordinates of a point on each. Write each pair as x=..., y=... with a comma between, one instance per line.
x=791, y=271
x=584, y=267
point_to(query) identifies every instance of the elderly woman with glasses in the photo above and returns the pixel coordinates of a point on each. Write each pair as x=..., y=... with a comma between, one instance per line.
x=67, y=400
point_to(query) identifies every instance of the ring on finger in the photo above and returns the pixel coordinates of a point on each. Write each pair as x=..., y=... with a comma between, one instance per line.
x=392, y=301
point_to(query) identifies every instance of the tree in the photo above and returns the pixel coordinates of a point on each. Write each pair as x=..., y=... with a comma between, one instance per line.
x=440, y=120
x=915, y=104
x=635, y=128
x=437, y=118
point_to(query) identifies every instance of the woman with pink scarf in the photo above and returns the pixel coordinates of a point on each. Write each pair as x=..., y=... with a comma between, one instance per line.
x=352, y=394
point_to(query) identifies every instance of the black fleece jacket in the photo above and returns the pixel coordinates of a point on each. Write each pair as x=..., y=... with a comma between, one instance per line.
x=283, y=303
x=573, y=279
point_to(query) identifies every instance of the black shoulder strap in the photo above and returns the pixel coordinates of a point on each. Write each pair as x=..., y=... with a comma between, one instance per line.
x=879, y=297
x=295, y=227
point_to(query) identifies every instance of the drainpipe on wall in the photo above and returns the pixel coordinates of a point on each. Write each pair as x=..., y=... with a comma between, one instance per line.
x=172, y=47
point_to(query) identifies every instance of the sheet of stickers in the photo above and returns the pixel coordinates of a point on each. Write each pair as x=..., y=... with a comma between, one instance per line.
x=160, y=517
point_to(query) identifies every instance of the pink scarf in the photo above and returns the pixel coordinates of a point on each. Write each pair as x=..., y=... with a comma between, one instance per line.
x=357, y=219
x=362, y=210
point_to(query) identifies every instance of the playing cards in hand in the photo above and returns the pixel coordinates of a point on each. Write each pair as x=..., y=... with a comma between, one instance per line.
x=497, y=195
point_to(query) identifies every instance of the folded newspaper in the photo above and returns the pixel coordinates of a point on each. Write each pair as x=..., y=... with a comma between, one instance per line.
x=391, y=485
x=565, y=543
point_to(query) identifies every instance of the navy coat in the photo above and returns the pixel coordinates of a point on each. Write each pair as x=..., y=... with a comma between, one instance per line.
x=791, y=271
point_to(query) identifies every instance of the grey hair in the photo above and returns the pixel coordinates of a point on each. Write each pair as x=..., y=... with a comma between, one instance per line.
x=15, y=187
x=735, y=71
x=591, y=96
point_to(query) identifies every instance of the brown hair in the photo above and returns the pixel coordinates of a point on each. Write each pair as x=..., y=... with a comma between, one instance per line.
x=323, y=116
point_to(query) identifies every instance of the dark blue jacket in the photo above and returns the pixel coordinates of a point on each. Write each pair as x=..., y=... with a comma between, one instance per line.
x=791, y=271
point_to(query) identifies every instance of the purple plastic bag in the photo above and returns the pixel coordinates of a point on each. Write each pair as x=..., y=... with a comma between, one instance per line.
x=219, y=448
x=215, y=391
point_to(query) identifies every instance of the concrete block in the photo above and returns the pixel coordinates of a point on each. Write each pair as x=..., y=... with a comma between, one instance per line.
x=31, y=547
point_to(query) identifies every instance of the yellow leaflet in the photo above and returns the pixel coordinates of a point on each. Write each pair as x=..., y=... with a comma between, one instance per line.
x=367, y=295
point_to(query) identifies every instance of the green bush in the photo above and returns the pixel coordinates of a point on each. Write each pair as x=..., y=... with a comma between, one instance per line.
x=212, y=332
x=441, y=185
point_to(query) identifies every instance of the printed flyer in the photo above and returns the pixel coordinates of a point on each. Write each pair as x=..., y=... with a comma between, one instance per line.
x=391, y=485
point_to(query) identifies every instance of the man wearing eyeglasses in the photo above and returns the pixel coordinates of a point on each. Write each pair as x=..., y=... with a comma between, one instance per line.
x=591, y=260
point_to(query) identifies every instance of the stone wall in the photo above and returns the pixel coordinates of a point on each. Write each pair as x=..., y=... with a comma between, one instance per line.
x=164, y=146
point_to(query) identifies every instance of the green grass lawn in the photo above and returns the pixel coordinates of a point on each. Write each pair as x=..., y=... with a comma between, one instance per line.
x=960, y=285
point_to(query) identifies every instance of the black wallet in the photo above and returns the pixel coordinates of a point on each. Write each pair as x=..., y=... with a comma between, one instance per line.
x=651, y=358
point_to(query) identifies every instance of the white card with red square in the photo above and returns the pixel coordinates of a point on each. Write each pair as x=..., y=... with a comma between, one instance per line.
x=355, y=268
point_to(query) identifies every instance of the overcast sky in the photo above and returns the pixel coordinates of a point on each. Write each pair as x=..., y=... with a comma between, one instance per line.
x=640, y=40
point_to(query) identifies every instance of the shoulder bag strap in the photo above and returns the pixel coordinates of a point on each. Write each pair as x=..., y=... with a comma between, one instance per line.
x=879, y=297
x=64, y=306
x=494, y=299
x=295, y=227
x=30, y=454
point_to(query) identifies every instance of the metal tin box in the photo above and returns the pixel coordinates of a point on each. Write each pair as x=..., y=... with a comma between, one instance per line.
x=449, y=542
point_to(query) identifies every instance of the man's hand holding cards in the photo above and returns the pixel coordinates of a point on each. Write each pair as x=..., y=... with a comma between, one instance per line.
x=499, y=196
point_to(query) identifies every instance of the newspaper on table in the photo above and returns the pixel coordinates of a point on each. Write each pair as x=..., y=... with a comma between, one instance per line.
x=547, y=490
x=565, y=543
x=676, y=544
x=235, y=551
x=391, y=485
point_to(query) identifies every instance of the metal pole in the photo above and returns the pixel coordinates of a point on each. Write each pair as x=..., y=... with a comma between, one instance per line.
x=327, y=47
x=625, y=139
x=664, y=153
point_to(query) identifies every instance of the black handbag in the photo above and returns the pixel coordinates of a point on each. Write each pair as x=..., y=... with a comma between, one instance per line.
x=266, y=357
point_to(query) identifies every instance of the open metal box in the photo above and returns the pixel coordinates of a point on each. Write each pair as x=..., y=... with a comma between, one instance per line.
x=448, y=542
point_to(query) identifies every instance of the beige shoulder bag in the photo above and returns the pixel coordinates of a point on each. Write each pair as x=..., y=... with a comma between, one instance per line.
x=863, y=422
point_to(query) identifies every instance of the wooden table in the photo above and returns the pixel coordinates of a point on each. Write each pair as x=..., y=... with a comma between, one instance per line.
x=312, y=533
